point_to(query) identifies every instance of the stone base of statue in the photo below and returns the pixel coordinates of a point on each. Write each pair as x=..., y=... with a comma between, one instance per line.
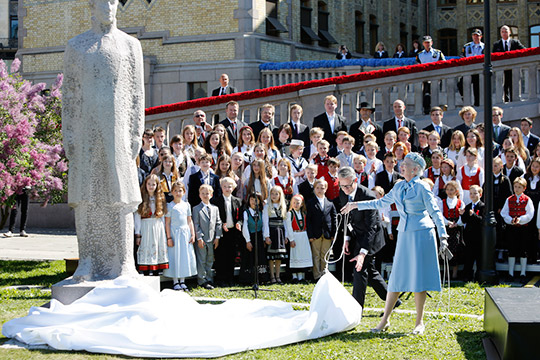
x=69, y=290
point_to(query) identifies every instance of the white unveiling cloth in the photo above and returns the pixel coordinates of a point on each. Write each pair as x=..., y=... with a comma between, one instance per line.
x=127, y=317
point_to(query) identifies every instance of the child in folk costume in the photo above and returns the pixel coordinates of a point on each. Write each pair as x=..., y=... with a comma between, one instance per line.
x=295, y=231
x=257, y=181
x=332, y=179
x=434, y=139
x=451, y=208
x=298, y=163
x=470, y=174
x=517, y=212
x=434, y=171
x=252, y=229
x=180, y=239
x=502, y=190
x=267, y=139
x=447, y=174
x=284, y=179
x=321, y=158
x=150, y=228
x=168, y=174
x=189, y=134
x=362, y=177
x=215, y=146
x=260, y=153
x=274, y=214
x=181, y=160
x=245, y=144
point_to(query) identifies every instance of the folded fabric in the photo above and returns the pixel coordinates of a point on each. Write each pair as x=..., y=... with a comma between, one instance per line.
x=126, y=317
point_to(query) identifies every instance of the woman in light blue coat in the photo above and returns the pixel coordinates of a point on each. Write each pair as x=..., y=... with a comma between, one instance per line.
x=416, y=266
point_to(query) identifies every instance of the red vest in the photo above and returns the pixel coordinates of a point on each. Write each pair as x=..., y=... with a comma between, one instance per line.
x=451, y=214
x=333, y=187
x=431, y=175
x=287, y=188
x=394, y=214
x=298, y=225
x=468, y=181
x=517, y=208
x=322, y=168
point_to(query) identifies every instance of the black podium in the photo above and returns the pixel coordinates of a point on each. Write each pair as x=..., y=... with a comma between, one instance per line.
x=512, y=321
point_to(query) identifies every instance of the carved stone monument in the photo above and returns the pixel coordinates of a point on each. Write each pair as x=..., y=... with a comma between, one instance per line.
x=102, y=125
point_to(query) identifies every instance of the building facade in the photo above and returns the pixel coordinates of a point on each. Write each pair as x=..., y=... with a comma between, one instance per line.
x=8, y=30
x=187, y=45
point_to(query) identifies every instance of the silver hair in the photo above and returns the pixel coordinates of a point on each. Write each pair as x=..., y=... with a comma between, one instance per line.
x=346, y=172
x=417, y=169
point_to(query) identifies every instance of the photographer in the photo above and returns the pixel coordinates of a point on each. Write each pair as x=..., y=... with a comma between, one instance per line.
x=201, y=126
x=343, y=53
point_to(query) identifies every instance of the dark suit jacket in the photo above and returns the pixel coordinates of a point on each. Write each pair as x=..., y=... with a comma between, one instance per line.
x=321, y=121
x=400, y=56
x=503, y=133
x=514, y=45
x=473, y=230
x=321, y=222
x=258, y=126
x=381, y=179
x=384, y=55
x=358, y=135
x=501, y=192
x=334, y=152
x=340, y=57
x=306, y=190
x=367, y=232
x=228, y=90
x=531, y=144
x=446, y=134
x=195, y=182
x=236, y=208
x=391, y=125
x=464, y=128
x=233, y=138
x=513, y=174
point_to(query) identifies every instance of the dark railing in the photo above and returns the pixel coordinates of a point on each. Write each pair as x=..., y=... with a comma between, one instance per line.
x=11, y=43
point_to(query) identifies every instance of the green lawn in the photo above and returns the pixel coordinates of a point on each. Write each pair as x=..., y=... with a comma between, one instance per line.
x=446, y=337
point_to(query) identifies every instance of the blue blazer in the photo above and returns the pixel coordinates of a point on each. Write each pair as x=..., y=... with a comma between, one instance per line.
x=415, y=204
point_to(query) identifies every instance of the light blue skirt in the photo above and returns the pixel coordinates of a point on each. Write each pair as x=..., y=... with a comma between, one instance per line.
x=416, y=265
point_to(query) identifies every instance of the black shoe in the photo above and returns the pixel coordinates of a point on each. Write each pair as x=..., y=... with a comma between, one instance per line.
x=208, y=286
x=398, y=304
x=523, y=279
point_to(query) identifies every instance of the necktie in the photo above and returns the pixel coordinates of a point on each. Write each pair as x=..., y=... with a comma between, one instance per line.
x=222, y=92
x=496, y=131
x=438, y=128
x=350, y=198
x=472, y=207
x=399, y=123
x=505, y=45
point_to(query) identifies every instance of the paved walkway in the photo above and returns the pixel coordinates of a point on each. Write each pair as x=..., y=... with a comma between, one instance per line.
x=41, y=244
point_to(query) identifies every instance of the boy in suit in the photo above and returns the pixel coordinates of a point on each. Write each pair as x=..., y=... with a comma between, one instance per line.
x=473, y=216
x=502, y=189
x=201, y=177
x=321, y=226
x=306, y=187
x=230, y=213
x=388, y=177
x=510, y=169
x=208, y=230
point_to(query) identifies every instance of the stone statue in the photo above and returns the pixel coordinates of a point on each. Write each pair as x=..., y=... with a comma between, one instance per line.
x=102, y=125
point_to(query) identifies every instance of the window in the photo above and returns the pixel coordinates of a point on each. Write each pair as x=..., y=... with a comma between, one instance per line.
x=197, y=90
x=307, y=35
x=446, y=2
x=359, y=27
x=324, y=34
x=535, y=35
x=403, y=34
x=474, y=2
x=415, y=35
x=273, y=26
x=448, y=42
x=373, y=31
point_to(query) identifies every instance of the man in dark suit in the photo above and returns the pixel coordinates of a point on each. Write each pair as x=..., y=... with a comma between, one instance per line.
x=503, y=45
x=500, y=131
x=266, y=121
x=529, y=139
x=365, y=126
x=365, y=237
x=299, y=131
x=330, y=122
x=445, y=132
x=231, y=123
x=203, y=176
x=230, y=212
x=224, y=89
x=398, y=121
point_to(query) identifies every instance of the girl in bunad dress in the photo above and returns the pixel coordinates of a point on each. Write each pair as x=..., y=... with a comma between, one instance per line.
x=257, y=181
x=214, y=146
x=284, y=179
x=168, y=174
x=260, y=153
x=447, y=174
x=190, y=141
x=180, y=239
x=457, y=142
x=434, y=171
x=470, y=174
x=181, y=160
x=451, y=208
x=472, y=140
x=227, y=147
x=237, y=167
x=252, y=228
x=267, y=139
x=245, y=144
x=295, y=231
x=150, y=228
x=274, y=214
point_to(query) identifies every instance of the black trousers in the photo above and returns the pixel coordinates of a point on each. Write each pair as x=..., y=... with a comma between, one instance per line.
x=225, y=254
x=368, y=276
x=21, y=202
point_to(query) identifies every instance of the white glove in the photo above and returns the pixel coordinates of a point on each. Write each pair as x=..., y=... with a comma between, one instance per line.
x=444, y=245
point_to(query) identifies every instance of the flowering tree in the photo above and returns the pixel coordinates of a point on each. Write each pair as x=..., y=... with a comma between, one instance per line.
x=31, y=152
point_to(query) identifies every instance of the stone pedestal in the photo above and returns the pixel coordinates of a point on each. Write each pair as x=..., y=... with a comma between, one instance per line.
x=67, y=291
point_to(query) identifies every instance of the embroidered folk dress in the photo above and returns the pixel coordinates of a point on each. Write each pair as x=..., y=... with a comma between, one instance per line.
x=152, y=253
x=295, y=230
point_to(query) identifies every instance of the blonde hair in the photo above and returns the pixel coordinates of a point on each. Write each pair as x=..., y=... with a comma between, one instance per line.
x=282, y=204
x=331, y=98
x=207, y=187
x=316, y=131
x=468, y=109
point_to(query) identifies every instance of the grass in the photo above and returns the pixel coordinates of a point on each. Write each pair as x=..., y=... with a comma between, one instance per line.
x=446, y=337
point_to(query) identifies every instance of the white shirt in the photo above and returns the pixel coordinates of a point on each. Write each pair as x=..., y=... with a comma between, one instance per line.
x=451, y=203
x=525, y=219
x=321, y=201
x=228, y=209
x=348, y=238
x=331, y=121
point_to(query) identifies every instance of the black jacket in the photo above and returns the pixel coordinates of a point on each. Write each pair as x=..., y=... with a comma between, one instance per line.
x=321, y=222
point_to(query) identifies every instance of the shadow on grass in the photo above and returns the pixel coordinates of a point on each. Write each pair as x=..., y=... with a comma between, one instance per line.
x=29, y=273
x=471, y=344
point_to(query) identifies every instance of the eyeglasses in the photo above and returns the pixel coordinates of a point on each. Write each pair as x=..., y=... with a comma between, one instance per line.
x=200, y=115
x=346, y=186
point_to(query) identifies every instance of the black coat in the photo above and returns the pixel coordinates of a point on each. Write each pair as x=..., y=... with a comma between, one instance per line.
x=236, y=208
x=503, y=133
x=258, y=126
x=531, y=144
x=358, y=135
x=367, y=231
x=233, y=136
x=306, y=190
x=381, y=179
x=391, y=125
x=195, y=182
x=321, y=222
x=321, y=121
x=229, y=90
x=475, y=223
x=514, y=45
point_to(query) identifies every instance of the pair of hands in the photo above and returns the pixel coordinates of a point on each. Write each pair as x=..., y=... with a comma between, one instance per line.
x=237, y=226
x=200, y=243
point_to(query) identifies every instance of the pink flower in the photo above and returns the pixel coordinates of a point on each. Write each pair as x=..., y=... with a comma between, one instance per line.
x=15, y=65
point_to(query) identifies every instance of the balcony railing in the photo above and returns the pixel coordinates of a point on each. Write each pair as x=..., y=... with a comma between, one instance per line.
x=11, y=43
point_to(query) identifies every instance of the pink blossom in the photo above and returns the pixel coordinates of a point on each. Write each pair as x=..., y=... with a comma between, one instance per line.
x=15, y=65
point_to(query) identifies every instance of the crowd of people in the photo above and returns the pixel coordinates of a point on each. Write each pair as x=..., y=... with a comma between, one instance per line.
x=213, y=191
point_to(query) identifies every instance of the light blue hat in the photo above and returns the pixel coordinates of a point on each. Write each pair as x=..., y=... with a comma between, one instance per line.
x=417, y=159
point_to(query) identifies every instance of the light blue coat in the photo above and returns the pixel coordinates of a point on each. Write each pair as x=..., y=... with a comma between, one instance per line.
x=415, y=204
